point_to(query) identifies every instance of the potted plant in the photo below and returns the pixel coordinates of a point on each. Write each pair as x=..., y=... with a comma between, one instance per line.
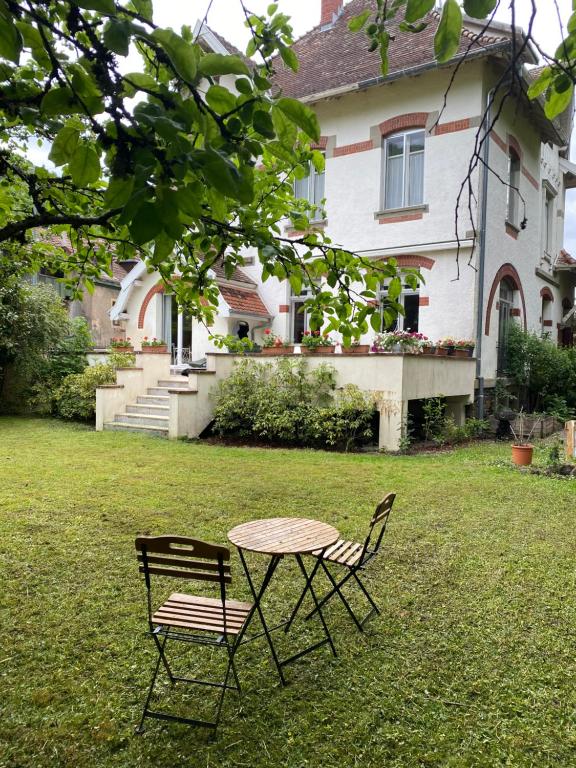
x=445, y=347
x=154, y=346
x=274, y=345
x=122, y=345
x=522, y=448
x=399, y=342
x=355, y=348
x=314, y=342
x=463, y=348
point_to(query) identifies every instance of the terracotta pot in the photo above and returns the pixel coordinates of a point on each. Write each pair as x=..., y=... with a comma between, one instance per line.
x=428, y=350
x=460, y=353
x=277, y=350
x=522, y=455
x=155, y=350
x=442, y=351
x=317, y=350
x=128, y=350
x=359, y=349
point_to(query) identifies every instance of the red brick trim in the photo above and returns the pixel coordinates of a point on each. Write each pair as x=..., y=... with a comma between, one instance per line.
x=158, y=288
x=547, y=294
x=424, y=301
x=418, y=262
x=452, y=127
x=329, y=9
x=505, y=271
x=526, y=173
x=321, y=144
x=283, y=309
x=401, y=122
x=511, y=230
x=497, y=140
x=397, y=219
x=547, y=323
x=515, y=312
x=514, y=144
x=351, y=149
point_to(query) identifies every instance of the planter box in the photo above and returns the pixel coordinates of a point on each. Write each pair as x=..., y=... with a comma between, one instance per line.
x=460, y=353
x=359, y=349
x=128, y=350
x=317, y=351
x=155, y=350
x=277, y=350
x=442, y=351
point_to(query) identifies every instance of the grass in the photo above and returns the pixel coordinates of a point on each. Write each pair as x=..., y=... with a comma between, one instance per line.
x=471, y=662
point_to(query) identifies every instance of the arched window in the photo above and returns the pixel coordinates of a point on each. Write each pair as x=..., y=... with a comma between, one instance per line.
x=506, y=305
x=403, y=177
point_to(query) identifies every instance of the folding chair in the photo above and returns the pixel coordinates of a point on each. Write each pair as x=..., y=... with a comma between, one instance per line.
x=354, y=557
x=188, y=618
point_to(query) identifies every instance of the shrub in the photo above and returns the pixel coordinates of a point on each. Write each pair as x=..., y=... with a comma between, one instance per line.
x=289, y=404
x=76, y=396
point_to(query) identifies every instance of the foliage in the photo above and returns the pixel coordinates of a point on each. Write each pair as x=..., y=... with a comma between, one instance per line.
x=233, y=344
x=555, y=454
x=146, y=342
x=442, y=429
x=406, y=341
x=120, y=342
x=434, y=412
x=542, y=371
x=271, y=340
x=75, y=398
x=188, y=160
x=121, y=359
x=316, y=339
x=290, y=404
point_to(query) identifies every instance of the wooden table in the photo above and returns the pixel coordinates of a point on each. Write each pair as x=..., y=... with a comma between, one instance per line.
x=278, y=537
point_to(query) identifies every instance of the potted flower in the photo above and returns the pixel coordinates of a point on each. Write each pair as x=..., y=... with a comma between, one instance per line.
x=274, y=345
x=399, y=342
x=445, y=347
x=154, y=346
x=464, y=347
x=314, y=342
x=522, y=448
x=355, y=348
x=122, y=345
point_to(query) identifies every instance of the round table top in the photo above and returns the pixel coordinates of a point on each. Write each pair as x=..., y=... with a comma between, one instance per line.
x=283, y=535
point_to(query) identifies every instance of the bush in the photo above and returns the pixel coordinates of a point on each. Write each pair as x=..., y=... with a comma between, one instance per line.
x=288, y=404
x=76, y=396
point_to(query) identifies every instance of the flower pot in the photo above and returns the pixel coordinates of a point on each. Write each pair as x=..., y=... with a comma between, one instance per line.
x=470, y=351
x=157, y=350
x=522, y=455
x=278, y=350
x=317, y=350
x=127, y=350
x=359, y=349
x=442, y=351
x=460, y=352
x=428, y=350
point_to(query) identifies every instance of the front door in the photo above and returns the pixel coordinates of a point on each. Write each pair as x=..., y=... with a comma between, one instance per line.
x=177, y=331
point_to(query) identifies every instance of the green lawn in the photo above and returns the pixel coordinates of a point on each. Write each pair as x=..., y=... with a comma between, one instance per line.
x=471, y=663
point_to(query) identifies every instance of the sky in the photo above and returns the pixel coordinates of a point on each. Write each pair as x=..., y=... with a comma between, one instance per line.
x=226, y=17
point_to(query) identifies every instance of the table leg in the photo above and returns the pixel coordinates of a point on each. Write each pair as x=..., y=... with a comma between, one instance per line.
x=316, y=603
x=256, y=607
x=303, y=595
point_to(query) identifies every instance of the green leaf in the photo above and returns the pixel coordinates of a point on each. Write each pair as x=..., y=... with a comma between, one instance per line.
x=318, y=160
x=284, y=128
x=143, y=7
x=263, y=123
x=146, y=224
x=559, y=96
x=541, y=83
x=64, y=145
x=135, y=80
x=384, y=45
x=163, y=245
x=213, y=64
x=417, y=9
x=104, y=6
x=117, y=36
x=119, y=192
x=220, y=99
x=180, y=53
x=10, y=40
x=447, y=38
x=59, y=101
x=33, y=40
x=479, y=9
x=84, y=166
x=357, y=22
x=289, y=57
x=221, y=173
x=302, y=116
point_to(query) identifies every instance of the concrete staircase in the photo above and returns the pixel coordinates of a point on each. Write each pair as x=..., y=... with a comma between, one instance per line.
x=150, y=414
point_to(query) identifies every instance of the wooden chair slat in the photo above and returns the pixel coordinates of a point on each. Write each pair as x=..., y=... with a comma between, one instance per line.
x=199, y=625
x=166, y=616
x=168, y=545
x=231, y=605
x=183, y=574
x=201, y=610
x=203, y=565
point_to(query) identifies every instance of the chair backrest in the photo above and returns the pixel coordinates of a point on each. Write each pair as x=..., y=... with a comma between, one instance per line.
x=379, y=520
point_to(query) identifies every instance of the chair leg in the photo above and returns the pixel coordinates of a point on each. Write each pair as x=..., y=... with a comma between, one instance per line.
x=375, y=608
x=303, y=595
x=140, y=728
x=336, y=589
x=160, y=647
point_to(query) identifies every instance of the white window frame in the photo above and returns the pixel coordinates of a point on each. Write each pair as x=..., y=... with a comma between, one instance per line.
x=310, y=193
x=513, y=201
x=548, y=233
x=400, y=319
x=405, y=170
x=296, y=301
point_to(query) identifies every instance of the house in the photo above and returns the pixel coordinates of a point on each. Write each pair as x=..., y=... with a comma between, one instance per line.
x=395, y=161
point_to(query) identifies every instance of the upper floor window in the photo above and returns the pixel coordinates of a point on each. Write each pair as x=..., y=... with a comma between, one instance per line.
x=513, y=186
x=410, y=300
x=548, y=223
x=311, y=188
x=404, y=170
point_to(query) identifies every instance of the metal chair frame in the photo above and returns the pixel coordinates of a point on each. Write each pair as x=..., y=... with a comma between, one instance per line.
x=183, y=557
x=368, y=553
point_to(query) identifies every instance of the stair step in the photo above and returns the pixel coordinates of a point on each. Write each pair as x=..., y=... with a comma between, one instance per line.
x=118, y=426
x=149, y=409
x=180, y=383
x=153, y=399
x=158, y=391
x=142, y=420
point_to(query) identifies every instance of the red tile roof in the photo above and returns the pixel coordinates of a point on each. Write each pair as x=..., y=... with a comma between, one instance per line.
x=565, y=260
x=244, y=301
x=237, y=275
x=335, y=57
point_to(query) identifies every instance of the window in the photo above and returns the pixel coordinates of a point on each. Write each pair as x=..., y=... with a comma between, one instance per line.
x=546, y=316
x=410, y=300
x=311, y=188
x=300, y=321
x=548, y=223
x=404, y=170
x=513, y=187
x=506, y=304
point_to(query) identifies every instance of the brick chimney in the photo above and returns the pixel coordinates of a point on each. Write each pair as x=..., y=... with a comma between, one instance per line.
x=330, y=9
